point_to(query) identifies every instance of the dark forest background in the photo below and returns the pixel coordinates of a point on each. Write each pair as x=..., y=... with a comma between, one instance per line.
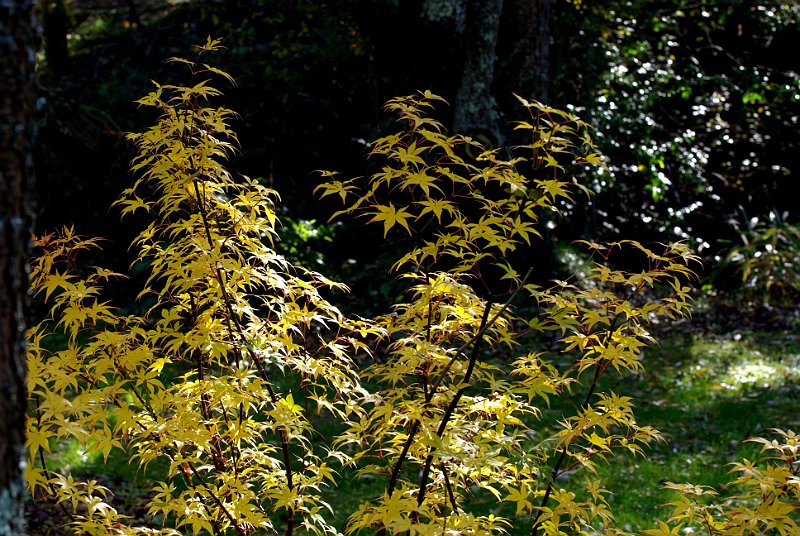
x=695, y=106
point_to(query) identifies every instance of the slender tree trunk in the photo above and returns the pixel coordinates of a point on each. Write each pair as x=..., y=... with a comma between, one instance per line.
x=17, y=52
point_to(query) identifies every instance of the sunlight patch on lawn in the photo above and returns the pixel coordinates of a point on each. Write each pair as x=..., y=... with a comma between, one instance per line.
x=739, y=366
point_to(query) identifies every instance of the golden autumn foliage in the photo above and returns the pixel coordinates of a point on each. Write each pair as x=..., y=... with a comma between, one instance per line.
x=219, y=384
x=227, y=315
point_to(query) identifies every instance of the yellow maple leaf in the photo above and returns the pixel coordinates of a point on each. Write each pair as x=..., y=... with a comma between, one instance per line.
x=390, y=216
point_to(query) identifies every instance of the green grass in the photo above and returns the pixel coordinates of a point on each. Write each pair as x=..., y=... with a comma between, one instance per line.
x=707, y=394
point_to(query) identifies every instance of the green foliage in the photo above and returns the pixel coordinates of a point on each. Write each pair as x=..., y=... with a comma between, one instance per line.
x=304, y=241
x=768, y=259
x=222, y=384
x=689, y=107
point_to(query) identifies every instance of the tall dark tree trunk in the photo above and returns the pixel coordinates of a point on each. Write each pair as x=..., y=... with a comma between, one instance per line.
x=18, y=41
x=506, y=49
x=524, y=49
x=476, y=111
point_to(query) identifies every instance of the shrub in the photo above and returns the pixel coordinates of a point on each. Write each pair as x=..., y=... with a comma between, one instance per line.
x=209, y=382
x=449, y=422
x=222, y=385
x=767, y=495
x=768, y=259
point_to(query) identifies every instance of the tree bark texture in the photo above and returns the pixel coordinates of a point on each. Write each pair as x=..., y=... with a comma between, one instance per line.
x=18, y=41
x=476, y=110
x=449, y=14
x=505, y=49
x=524, y=49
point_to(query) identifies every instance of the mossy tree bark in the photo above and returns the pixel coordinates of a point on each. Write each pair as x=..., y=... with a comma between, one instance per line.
x=506, y=49
x=18, y=39
x=476, y=111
